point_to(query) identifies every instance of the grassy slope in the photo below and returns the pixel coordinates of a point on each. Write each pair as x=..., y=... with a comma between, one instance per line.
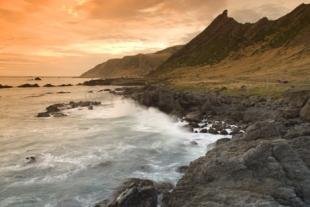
x=260, y=73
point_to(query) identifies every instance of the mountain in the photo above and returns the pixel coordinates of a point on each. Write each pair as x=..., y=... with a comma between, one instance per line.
x=226, y=40
x=130, y=66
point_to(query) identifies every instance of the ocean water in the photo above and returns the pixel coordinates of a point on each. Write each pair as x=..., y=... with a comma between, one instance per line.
x=83, y=157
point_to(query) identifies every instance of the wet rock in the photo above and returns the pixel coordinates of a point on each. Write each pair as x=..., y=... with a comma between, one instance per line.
x=4, y=86
x=30, y=159
x=182, y=169
x=63, y=92
x=28, y=85
x=137, y=193
x=48, y=85
x=204, y=131
x=223, y=132
x=55, y=110
x=213, y=131
x=194, y=116
x=65, y=85
x=222, y=141
x=194, y=143
x=305, y=111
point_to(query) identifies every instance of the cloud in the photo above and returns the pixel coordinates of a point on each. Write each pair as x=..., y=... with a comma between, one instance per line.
x=69, y=36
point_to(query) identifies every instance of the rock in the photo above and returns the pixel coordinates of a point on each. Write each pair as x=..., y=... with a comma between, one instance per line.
x=223, y=132
x=59, y=114
x=90, y=91
x=222, y=141
x=43, y=114
x=182, y=169
x=55, y=109
x=48, y=85
x=63, y=92
x=65, y=85
x=194, y=116
x=264, y=129
x=305, y=111
x=4, y=86
x=194, y=143
x=30, y=159
x=28, y=85
x=212, y=131
x=37, y=79
x=136, y=193
x=234, y=131
x=204, y=131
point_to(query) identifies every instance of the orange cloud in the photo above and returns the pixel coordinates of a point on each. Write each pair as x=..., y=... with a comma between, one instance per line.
x=66, y=37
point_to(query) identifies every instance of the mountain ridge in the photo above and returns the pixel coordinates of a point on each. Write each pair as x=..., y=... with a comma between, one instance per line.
x=225, y=36
x=133, y=66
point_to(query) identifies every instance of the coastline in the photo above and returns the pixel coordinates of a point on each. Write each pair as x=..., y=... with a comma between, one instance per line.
x=268, y=165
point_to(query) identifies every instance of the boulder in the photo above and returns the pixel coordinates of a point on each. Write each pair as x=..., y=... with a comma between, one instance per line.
x=264, y=129
x=137, y=193
x=37, y=79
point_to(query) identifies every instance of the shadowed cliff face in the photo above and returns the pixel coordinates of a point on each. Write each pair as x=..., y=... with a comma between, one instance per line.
x=131, y=66
x=225, y=36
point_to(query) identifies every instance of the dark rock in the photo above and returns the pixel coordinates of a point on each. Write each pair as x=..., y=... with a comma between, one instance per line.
x=264, y=129
x=48, y=85
x=55, y=109
x=28, y=85
x=37, y=79
x=213, y=131
x=65, y=85
x=63, y=92
x=30, y=159
x=4, y=86
x=305, y=111
x=204, y=131
x=194, y=143
x=194, y=116
x=222, y=141
x=136, y=193
x=182, y=169
x=223, y=132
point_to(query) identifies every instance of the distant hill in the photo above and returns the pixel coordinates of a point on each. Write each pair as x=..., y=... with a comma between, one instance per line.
x=225, y=37
x=130, y=66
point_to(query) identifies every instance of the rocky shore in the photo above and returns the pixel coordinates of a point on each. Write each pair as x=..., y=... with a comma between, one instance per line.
x=268, y=165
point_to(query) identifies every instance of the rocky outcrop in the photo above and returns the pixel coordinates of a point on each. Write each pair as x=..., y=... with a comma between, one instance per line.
x=56, y=110
x=267, y=165
x=137, y=193
x=28, y=85
x=248, y=171
x=4, y=86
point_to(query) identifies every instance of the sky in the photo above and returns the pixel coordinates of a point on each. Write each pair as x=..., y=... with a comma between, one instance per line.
x=68, y=37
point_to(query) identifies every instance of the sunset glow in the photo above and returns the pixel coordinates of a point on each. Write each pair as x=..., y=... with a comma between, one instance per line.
x=67, y=37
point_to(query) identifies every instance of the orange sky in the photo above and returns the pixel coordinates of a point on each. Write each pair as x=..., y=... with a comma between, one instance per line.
x=67, y=37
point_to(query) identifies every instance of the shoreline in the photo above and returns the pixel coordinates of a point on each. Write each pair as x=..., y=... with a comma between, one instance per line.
x=267, y=165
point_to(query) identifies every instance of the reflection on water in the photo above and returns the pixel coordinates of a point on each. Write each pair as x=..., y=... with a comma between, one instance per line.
x=83, y=157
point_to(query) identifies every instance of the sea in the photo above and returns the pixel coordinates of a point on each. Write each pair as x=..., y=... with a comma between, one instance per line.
x=82, y=158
